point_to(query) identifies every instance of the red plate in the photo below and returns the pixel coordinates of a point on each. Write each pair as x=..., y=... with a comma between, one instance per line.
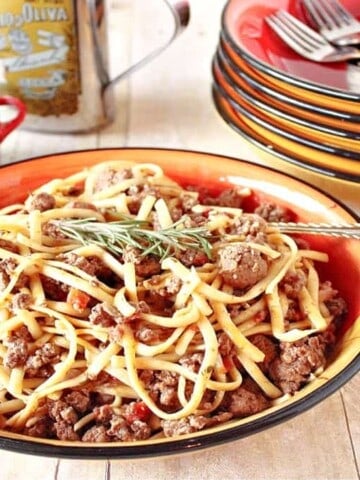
x=244, y=23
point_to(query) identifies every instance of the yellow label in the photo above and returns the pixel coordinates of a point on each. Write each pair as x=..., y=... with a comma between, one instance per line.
x=39, y=54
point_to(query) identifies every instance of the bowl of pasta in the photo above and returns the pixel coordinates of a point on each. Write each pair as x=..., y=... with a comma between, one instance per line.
x=154, y=302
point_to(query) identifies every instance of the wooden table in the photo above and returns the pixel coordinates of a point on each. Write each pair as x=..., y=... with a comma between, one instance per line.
x=168, y=104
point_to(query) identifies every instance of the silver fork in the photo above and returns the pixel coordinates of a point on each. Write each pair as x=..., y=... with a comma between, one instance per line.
x=345, y=230
x=305, y=41
x=333, y=21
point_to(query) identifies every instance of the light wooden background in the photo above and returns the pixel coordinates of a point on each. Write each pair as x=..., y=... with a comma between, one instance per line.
x=168, y=104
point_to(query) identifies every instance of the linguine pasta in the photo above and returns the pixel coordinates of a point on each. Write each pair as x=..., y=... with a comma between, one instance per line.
x=130, y=306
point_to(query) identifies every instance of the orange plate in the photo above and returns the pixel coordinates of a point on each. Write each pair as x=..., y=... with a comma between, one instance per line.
x=246, y=79
x=309, y=153
x=325, y=141
x=283, y=158
x=295, y=91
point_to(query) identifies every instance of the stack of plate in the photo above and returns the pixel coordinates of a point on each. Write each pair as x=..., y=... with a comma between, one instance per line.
x=291, y=109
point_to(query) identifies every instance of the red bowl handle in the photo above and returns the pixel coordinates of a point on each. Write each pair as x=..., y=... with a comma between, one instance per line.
x=7, y=127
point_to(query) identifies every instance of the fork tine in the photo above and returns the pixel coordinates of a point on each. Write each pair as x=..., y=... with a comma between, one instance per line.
x=328, y=13
x=332, y=13
x=306, y=41
x=301, y=30
x=314, y=12
x=292, y=34
x=284, y=34
x=287, y=35
x=333, y=21
x=339, y=8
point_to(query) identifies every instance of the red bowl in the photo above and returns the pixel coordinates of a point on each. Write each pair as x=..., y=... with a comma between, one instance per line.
x=215, y=172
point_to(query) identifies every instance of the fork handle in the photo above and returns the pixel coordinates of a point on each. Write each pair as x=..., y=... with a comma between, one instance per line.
x=346, y=230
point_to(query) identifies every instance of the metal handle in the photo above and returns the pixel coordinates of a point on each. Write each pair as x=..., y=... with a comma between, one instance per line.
x=347, y=230
x=180, y=10
x=7, y=126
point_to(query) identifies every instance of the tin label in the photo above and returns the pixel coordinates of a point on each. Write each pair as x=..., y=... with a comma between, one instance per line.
x=39, y=54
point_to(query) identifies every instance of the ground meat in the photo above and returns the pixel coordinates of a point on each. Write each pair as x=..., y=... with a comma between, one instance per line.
x=41, y=201
x=54, y=290
x=150, y=334
x=45, y=356
x=193, y=220
x=4, y=275
x=21, y=301
x=172, y=287
x=230, y=197
x=7, y=268
x=145, y=266
x=128, y=423
x=157, y=303
x=40, y=429
x=193, y=423
x=92, y=265
x=241, y=266
x=293, y=312
x=83, y=205
x=336, y=305
x=17, y=353
x=121, y=430
x=166, y=289
x=226, y=346
x=250, y=226
x=64, y=417
x=23, y=333
x=191, y=257
x=96, y=434
x=268, y=347
x=74, y=190
x=105, y=315
x=192, y=361
x=110, y=177
x=246, y=400
x=79, y=400
x=10, y=246
x=162, y=387
x=65, y=431
x=136, y=195
x=297, y=361
x=103, y=414
x=292, y=283
x=273, y=213
x=103, y=272
x=79, y=262
x=50, y=229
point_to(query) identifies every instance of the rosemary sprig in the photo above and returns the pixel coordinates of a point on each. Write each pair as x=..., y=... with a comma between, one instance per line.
x=115, y=236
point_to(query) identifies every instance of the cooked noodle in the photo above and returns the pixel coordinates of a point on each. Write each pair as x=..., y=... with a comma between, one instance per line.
x=122, y=331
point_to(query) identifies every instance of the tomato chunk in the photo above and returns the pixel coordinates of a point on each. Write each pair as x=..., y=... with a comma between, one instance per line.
x=77, y=299
x=138, y=411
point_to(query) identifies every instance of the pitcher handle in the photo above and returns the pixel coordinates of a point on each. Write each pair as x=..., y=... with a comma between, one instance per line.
x=9, y=125
x=180, y=10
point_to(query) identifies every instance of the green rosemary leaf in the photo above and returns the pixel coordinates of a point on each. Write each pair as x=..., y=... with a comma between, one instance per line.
x=115, y=236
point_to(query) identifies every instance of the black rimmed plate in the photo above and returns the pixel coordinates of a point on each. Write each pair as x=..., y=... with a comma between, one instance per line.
x=274, y=143
x=240, y=91
x=335, y=162
x=245, y=28
x=241, y=73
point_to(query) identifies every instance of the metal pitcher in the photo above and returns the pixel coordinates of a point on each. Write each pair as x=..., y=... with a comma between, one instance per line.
x=53, y=56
